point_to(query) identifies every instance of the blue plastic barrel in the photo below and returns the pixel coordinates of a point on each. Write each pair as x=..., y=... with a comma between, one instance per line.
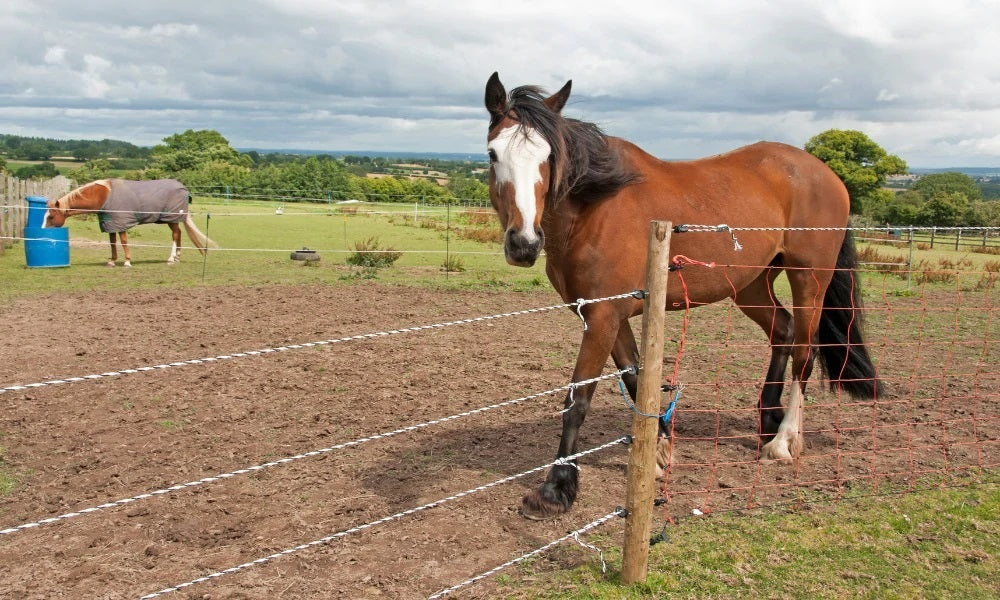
x=46, y=246
x=36, y=211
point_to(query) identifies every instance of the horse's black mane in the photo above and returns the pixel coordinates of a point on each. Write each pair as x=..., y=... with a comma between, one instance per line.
x=584, y=167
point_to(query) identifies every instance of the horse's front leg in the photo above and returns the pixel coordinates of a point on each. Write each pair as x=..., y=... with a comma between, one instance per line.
x=123, y=236
x=113, y=238
x=558, y=493
x=626, y=355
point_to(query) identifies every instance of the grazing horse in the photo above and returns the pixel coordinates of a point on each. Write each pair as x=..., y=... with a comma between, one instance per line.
x=587, y=198
x=121, y=204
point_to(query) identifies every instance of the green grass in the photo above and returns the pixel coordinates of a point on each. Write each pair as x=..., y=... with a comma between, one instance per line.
x=8, y=478
x=255, y=244
x=929, y=544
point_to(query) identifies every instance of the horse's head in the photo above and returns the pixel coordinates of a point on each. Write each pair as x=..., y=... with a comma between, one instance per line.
x=86, y=198
x=520, y=147
x=57, y=212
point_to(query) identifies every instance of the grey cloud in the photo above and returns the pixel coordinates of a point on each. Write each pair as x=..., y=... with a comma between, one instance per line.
x=683, y=79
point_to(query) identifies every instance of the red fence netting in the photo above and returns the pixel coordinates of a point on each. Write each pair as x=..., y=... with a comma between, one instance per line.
x=932, y=336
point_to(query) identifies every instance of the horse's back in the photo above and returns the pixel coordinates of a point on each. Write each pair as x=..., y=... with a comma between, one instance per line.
x=768, y=186
x=132, y=203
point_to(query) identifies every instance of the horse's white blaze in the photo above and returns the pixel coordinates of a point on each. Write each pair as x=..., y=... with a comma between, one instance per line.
x=787, y=443
x=519, y=161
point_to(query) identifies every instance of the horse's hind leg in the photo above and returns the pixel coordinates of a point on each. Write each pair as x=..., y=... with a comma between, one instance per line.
x=758, y=302
x=123, y=236
x=808, y=289
x=175, y=246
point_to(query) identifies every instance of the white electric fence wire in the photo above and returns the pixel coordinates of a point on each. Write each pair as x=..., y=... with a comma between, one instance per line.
x=693, y=228
x=364, y=336
x=573, y=534
x=288, y=459
x=80, y=243
x=264, y=559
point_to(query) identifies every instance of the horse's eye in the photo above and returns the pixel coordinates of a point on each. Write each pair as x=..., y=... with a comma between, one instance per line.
x=493, y=155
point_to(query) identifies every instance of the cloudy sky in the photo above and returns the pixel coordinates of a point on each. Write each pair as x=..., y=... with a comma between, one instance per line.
x=682, y=79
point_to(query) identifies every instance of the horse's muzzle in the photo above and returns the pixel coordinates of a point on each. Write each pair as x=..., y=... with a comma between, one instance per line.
x=519, y=250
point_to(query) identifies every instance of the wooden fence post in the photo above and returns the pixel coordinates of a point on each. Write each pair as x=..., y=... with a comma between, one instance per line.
x=642, y=453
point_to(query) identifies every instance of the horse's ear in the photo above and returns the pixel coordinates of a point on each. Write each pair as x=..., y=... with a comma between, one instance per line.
x=557, y=101
x=496, y=95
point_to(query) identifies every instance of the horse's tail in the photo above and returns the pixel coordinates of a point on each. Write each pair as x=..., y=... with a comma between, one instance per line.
x=844, y=356
x=197, y=237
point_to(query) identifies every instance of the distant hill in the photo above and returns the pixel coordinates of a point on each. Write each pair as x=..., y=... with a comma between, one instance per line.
x=453, y=156
x=970, y=171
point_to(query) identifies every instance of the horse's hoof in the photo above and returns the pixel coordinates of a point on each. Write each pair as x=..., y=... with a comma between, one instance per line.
x=127, y=264
x=537, y=508
x=780, y=450
x=110, y=263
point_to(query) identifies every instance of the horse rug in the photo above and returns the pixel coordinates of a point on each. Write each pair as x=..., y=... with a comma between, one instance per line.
x=132, y=203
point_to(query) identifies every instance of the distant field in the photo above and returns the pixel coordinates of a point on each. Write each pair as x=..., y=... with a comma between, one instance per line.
x=254, y=246
x=61, y=164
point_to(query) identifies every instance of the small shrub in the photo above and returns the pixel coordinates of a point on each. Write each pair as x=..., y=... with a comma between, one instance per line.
x=369, y=254
x=924, y=272
x=992, y=250
x=987, y=281
x=479, y=218
x=923, y=246
x=871, y=254
x=483, y=235
x=453, y=264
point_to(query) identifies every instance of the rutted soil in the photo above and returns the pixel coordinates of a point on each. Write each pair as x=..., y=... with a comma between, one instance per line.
x=78, y=445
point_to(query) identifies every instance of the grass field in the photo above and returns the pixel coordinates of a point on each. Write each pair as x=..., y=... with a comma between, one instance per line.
x=932, y=544
x=938, y=543
x=254, y=245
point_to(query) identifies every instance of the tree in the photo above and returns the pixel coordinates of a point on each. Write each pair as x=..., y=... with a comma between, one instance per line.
x=984, y=213
x=945, y=183
x=34, y=150
x=44, y=170
x=468, y=189
x=945, y=209
x=95, y=169
x=189, y=150
x=859, y=162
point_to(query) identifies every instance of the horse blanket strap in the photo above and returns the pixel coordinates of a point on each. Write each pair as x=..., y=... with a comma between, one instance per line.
x=132, y=203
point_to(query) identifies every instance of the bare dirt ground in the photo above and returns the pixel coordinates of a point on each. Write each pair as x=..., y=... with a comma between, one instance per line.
x=78, y=445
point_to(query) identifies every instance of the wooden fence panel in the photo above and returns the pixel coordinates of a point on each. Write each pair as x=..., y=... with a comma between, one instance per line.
x=14, y=207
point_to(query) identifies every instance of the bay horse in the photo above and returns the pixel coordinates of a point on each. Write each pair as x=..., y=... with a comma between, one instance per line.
x=587, y=198
x=121, y=204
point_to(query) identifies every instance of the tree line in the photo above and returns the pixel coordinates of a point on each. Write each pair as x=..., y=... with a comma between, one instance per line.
x=944, y=199
x=206, y=162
